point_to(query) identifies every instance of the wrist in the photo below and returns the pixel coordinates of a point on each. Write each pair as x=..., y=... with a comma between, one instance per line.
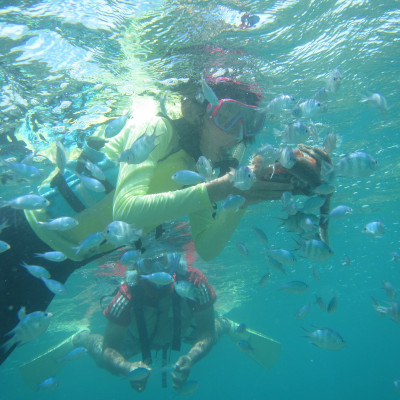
x=218, y=189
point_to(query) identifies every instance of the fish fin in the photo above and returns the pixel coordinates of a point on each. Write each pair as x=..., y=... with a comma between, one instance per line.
x=22, y=311
x=265, y=350
x=47, y=364
x=5, y=348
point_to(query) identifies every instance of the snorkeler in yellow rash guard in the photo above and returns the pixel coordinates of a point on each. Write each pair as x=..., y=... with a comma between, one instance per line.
x=144, y=195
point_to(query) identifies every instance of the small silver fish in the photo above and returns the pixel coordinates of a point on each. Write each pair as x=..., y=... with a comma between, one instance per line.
x=326, y=338
x=208, y=93
x=130, y=257
x=261, y=235
x=393, y=311
x=302, y=311
x=283, y=256
x=49, y=384
x=313, y=203
x=374, y=229
x=60, y=224
x=378, y=101
x=245, y=346
x=277, y=266
x=289, y=204
x=36, y=270
x=320, y=301
x=139, y=374
x=186, y=289
x=4, y=246
x=115, y=126
x=315, y=274
x=55, y=286
x=264, y=280
x=159, y=278
x=334, y=80
x=332, y=305
x=329, y=143
x=294, y=133
x=56, y=256
x=95, y=170
x=186, y=177
x=120, y=233
x=296, y=287
x=27, y=202
x=92, y=184
x=140, y=149
x=310, y=107
x=288, y=157
x=30, y=326
x=321, y=94
x=356, y=165
x=74, y=354
x=90, y=242
x=204, y=167
x=324, y=189
x=279, y=103
x=24, y=170
x=242, y=249
x=269, y=153
x=233, y=202
x=389, y=289
x=339, y=212
x=243, y=178
x=315, y=250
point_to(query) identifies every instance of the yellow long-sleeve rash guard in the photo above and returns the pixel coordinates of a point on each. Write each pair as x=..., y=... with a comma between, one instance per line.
x=146, y=195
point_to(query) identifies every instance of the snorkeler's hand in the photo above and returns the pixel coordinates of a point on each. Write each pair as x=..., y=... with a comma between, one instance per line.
x=138, y=375
x=264, y=190
x=181, y=371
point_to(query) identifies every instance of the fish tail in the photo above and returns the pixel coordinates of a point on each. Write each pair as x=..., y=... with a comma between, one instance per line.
x=5, y=348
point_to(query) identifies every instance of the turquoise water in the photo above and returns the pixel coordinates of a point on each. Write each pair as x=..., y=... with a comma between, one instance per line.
x=96, y=53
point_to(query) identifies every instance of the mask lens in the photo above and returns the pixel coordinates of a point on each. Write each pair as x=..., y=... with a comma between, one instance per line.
x=231, y=111
x=152, y=265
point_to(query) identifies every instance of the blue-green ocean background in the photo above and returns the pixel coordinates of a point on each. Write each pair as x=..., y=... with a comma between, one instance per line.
x=91, y=52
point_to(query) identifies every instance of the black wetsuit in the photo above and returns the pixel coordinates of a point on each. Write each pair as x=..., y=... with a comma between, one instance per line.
x=18, y=288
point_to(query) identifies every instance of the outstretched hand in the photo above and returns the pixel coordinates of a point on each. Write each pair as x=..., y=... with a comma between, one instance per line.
x=181, y=371
x=261, y=190
x=138, y=375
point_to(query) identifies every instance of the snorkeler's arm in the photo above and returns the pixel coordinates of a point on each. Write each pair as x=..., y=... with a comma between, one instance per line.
x=212, y=232
x=114, y=361
x=132, y=201
x=111, y=359
x=205, y=323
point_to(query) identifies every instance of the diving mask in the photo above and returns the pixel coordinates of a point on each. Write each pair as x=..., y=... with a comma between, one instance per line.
x=167, y=262
x=228, y=114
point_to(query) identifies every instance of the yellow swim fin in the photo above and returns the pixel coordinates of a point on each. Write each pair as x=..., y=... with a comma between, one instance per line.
x=46, y=365
x=262, y=349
